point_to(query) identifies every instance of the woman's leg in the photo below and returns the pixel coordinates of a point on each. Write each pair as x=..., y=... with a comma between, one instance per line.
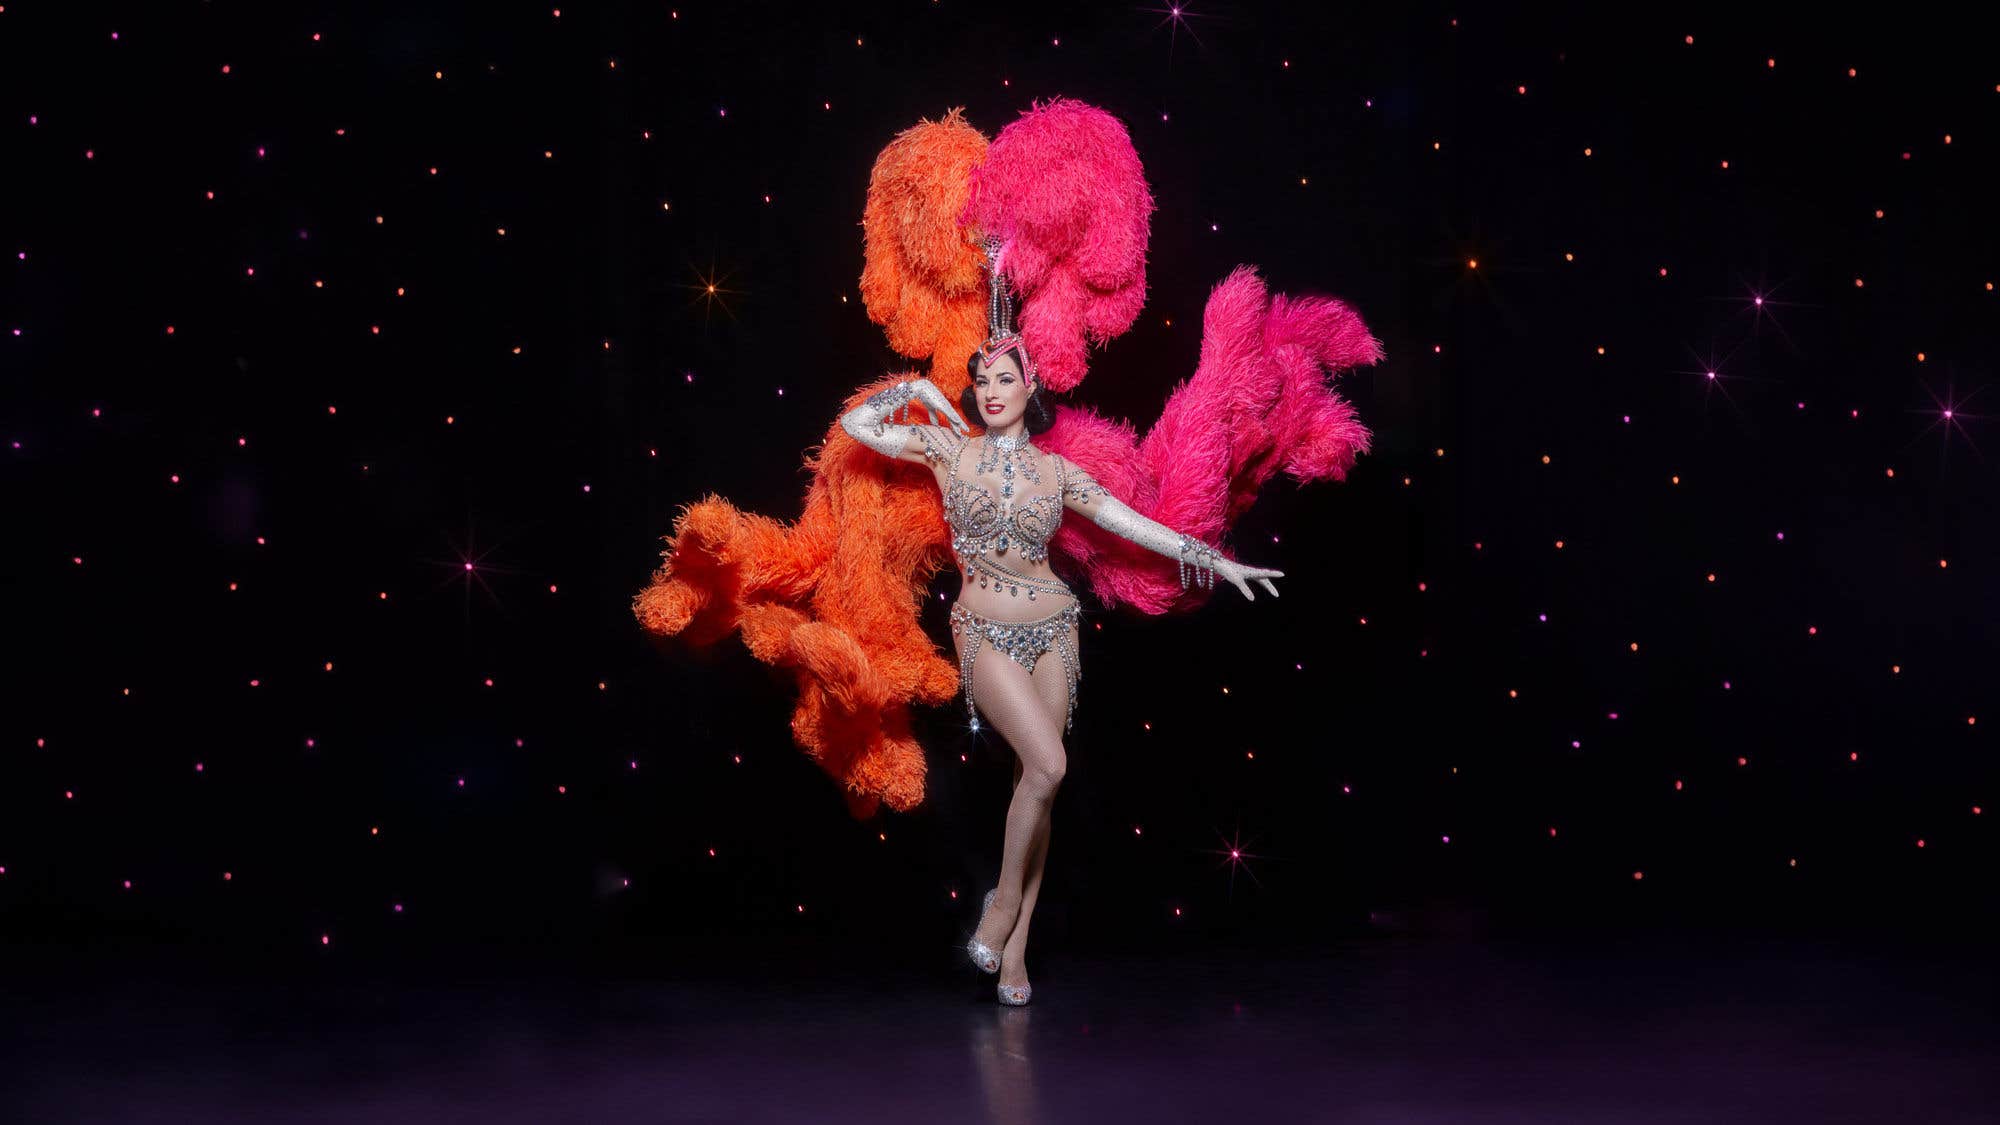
x=1009, y=699
x=1014, y=956
x=1052, y=687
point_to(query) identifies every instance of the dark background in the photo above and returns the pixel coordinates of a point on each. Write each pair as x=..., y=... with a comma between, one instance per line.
x=540, y=401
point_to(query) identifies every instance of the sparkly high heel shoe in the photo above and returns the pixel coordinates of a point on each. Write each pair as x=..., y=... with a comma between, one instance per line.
x=983, y=955
x=1015, y=995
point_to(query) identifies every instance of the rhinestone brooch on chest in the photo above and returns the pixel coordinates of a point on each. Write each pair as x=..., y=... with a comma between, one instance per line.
x=1009, y=452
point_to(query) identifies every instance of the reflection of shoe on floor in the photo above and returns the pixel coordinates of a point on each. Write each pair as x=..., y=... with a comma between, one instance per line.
x=1393, y=921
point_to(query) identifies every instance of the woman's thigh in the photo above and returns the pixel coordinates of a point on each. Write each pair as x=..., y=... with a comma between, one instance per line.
x=1051, y=679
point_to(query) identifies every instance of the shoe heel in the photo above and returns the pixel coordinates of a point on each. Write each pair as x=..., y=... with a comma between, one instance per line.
x=984, y=956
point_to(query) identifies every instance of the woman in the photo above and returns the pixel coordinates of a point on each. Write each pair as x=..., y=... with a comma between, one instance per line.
x=828, y=599
x=1004, y=500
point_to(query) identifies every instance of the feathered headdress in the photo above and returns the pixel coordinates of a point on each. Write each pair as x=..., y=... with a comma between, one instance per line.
x=1001, y=338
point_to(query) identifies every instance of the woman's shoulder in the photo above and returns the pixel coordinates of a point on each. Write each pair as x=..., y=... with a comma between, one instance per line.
x=1068, y=469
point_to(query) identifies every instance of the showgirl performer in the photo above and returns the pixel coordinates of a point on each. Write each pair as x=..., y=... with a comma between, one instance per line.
x=1055, y=210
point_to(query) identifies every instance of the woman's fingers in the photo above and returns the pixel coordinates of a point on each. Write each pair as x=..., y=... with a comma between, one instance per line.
x=1268, y=586
x=943, y=406
x=940, y=408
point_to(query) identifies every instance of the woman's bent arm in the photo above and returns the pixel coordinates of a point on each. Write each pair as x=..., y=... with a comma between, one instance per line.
x=869, y=424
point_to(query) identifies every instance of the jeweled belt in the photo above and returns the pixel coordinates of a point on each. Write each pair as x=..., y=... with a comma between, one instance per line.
x=1013, y=580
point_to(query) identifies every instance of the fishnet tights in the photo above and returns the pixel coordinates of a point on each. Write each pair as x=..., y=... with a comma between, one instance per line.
x=1029, y=712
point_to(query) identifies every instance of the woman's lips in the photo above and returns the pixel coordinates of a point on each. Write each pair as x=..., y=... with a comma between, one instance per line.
x=995, y=409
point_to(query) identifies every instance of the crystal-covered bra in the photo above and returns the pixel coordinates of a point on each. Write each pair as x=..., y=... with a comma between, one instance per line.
x=980, y=524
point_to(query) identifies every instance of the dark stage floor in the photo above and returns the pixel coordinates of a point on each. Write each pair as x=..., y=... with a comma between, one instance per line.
x=1399, y=1029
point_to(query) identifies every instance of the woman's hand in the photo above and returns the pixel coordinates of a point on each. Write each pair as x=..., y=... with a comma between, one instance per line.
x=1236, y=572
x=940, y=406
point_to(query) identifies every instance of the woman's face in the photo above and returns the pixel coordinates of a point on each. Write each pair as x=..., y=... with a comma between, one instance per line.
x=999, y=392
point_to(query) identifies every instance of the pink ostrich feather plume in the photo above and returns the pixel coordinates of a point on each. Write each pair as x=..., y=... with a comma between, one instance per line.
x=1260, y=402
x=1063, y=189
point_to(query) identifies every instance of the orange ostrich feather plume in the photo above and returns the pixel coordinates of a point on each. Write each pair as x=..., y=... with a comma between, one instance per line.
x=839, y=611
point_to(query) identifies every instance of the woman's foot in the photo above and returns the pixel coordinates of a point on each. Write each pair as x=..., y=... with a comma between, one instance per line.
x=1013, y=985
x=1013, y=980
x=997, y=923
x=985, y=957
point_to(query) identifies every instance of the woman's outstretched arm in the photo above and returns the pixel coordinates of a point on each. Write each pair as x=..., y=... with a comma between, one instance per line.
x=869, y=424
x=1081, y=493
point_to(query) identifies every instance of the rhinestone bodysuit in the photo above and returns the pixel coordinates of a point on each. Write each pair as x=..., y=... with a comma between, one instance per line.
x=981, y=524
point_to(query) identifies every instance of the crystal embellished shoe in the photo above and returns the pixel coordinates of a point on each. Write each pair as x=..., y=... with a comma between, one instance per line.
x=983, y=955
x=1015, y=995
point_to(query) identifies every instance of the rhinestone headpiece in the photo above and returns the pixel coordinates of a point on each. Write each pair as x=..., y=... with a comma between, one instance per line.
x=1001, y=336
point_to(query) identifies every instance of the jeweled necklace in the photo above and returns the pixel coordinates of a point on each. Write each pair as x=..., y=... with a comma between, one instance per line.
x=1007, y=451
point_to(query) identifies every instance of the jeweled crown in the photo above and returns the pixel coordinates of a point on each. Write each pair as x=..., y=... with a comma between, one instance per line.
x=1001, y=335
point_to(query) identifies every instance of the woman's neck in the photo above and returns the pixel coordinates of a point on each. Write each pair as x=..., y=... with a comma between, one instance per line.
x=1015, y=434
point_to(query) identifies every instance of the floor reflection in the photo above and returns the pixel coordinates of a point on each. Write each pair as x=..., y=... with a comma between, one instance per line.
x=1002, y=1057
x=1387, y=1030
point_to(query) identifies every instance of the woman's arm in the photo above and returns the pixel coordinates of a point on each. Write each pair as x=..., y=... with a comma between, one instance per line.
x=1082, y=493
x=869, y=424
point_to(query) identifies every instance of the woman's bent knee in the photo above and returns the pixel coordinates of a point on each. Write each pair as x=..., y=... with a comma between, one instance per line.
x=1046, y=773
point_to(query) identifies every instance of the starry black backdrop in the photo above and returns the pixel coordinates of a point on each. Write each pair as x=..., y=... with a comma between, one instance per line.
x=305, y=307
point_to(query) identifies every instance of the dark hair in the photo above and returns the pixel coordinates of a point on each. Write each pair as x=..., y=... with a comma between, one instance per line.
x=1040, y=416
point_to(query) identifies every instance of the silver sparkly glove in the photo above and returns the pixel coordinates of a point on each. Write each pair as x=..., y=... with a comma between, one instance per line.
x=1082, y=493
x=869, y=423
